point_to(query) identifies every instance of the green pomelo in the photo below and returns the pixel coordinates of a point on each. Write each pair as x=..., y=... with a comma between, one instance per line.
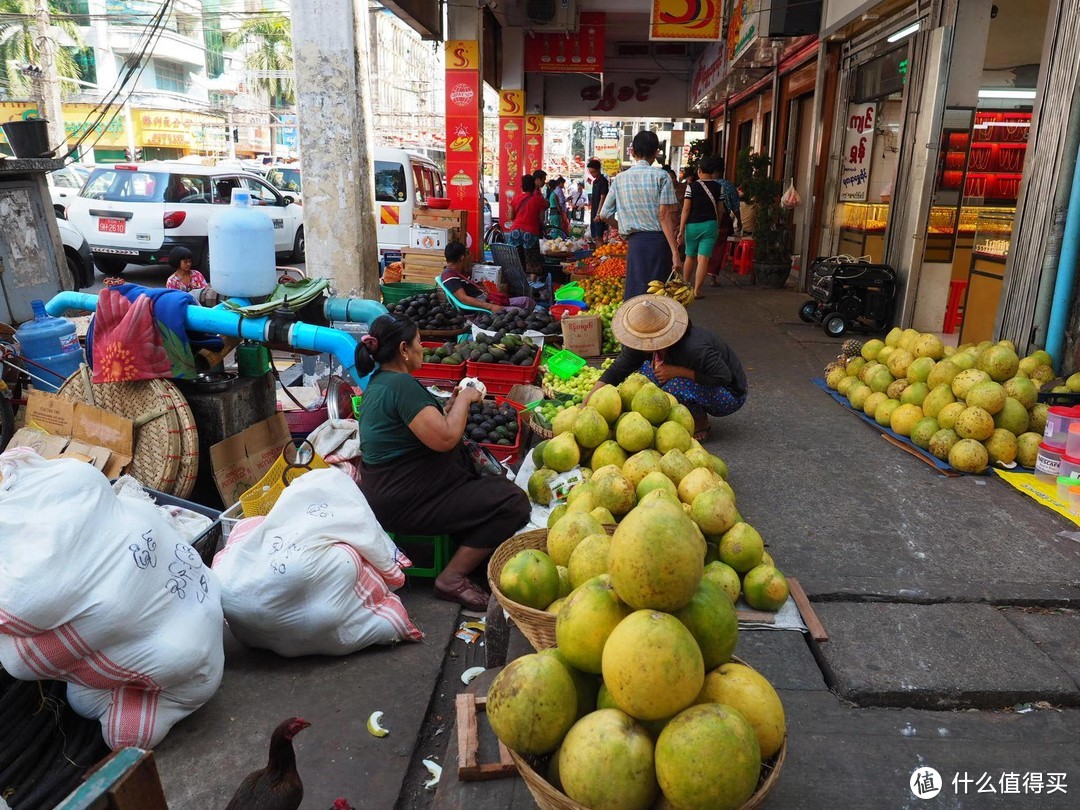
x=741, y=547
x=607, y=402
x=711, y=619
x=1001, y=446
x=570, y=530
x=588, y=616
x=562, y=453
x=532, y=703
x=923, y=431
x=1013, y=417
x=942, y=442
x=634, y=432
x=988, y=395
x=656, y=558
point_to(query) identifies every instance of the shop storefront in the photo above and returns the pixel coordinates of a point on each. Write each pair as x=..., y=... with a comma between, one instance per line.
x=171, y=134
x=108, y=138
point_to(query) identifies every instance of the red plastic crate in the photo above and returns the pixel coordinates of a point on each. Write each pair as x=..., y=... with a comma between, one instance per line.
x=509, y=454
x=500, y=377
x=439, y=372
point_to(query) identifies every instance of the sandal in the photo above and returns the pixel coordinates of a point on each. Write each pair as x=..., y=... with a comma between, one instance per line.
x=466, y=593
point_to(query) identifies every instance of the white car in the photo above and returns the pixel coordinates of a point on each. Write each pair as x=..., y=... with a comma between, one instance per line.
x=64, y=185
x=77, y=254
x=287, y=180
x=137, y=213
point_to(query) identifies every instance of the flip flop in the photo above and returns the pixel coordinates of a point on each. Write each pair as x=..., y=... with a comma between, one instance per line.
x=466, y=593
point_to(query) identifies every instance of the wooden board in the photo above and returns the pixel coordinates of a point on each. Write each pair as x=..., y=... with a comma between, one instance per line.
x=907, y=448
x=441, y=218
x=469, y=769
x=813, y=623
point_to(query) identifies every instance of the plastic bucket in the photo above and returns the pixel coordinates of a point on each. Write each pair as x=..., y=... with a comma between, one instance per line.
x=1058, y=419
x=1070, y=466
x=1064, y=482
x=1074, y=500
x=28, y=138
x=1048, y=463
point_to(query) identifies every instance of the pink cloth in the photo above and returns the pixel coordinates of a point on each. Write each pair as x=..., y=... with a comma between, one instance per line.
x=197, y=282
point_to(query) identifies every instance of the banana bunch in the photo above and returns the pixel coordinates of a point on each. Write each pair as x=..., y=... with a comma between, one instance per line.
x=674, y=288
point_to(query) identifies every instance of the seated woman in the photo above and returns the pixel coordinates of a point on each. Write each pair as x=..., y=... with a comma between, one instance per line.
x=460, y=284
x=416, y=472
x=689, y=362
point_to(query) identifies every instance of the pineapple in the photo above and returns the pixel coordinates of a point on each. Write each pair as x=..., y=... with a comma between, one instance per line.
x=851, y=348
x=832, y=366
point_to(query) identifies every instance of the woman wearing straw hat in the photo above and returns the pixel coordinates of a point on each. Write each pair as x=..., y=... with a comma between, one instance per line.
x=688, y=362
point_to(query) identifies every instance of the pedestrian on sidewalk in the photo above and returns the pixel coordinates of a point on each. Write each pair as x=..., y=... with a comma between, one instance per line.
x=730, y=222
x=700, y=224
x=597, y=198
x=643, y=201
x=689, y=362
x=578, y=197
x=527, y=212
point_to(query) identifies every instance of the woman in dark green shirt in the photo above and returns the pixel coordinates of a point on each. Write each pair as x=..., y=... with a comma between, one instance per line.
x=416, y=473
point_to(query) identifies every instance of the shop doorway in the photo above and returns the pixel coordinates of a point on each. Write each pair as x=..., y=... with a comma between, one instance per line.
x=801, y=134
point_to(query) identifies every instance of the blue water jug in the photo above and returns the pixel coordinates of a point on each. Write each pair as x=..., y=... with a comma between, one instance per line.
x=241, y=241
x=52, y=343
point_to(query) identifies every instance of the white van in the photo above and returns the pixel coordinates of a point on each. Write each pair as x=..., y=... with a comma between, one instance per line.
x=403, y=180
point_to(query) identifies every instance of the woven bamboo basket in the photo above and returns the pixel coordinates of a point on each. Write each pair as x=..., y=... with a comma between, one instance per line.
x=537, y=427
x=538, y=626
x=547, y=797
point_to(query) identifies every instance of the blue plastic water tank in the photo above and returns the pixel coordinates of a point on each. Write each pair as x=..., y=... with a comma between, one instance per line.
x=52, y=343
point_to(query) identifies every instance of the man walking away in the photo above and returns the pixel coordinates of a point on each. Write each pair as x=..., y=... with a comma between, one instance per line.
x=596, y=200
x=643, y=202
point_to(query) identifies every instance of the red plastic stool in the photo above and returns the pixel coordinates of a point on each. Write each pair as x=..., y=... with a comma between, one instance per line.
x=954, y=310
x=744, y=257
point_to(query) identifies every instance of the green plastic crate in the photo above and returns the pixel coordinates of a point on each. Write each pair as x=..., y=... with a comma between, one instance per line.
x=565, y=364
x=397, y=291
x=429, y=553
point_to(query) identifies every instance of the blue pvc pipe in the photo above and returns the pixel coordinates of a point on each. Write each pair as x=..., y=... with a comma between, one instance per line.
x=357, y=310
x=62, y=302
x=1066, y=274
x=333, y=341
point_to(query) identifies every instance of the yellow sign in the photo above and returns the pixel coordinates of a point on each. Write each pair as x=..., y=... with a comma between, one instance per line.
x=686, y=20
x=179, y=130
x=512, y=102
x=78, y=119
x=534, y=125
x=462, y=54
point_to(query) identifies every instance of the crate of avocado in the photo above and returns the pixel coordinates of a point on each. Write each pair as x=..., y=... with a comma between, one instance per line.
x=501, y=361
x=496, y=424
x=433, y=317
x=443, y=362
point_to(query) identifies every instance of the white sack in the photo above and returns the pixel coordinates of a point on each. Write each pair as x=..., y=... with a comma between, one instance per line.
x=314, y=576
x=101, y=592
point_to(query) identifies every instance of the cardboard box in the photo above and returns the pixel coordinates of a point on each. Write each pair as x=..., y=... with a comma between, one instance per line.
x=441, y=218
x=426, y=238
x=240, y=461
x=59, y=428
x=583, y=335
x=487, y=272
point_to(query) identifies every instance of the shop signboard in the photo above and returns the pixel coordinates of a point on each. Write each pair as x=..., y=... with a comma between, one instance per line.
x=534, y=142
x=858, y=152
x=109, y=132
x=464, y=138
x=607, y=152
x=742, y=28
x=620, y=95
x=511, y=138
x=679, y=20
x=708, y=72
x=558, y=53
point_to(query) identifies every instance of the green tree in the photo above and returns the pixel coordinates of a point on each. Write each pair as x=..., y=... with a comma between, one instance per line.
x=270, y=48
x=772, y=233
x=17, y=46
x=577, y=140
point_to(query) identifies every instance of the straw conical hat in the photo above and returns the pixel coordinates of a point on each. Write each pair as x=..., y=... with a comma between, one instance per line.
x=649, y=323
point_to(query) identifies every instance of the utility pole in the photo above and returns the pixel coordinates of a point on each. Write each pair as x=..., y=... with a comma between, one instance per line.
x=51, y=106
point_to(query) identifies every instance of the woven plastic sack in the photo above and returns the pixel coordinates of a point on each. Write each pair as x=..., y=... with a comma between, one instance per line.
x=314, y=577
x=100, y=591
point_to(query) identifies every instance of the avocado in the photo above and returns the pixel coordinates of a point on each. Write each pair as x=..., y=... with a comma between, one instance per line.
x=486, y=357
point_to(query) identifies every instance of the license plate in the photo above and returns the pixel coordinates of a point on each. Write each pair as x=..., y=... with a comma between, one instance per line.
x=112, y=225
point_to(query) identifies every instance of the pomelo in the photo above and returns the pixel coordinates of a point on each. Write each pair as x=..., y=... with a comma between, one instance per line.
x=1001, y=446
x=854, y=366
x=883, y=412
x=655, y=480
x=899, y=361
x=871, y=348
x=564, y=420
x=741, y=547
x=894, y=391
x=539, y=492
x=942, y=374
x=590, y=428
x=893, y=337
x=714, y=511
x=883, y=355
x=1037, y=418
x=923, y=431
x=609, y=452
x=538, y=453
x=557, y=513
x=589, y=559
x=564, y=581
x=695, y=482
x=750, y=693
x=968, y=455
x=570, y=530
x=675, y=465
x=1013, y=417
x=652, y=403
x=671, y=436
x=966, y=380
x=630, y=386
x=725, y=577
x=857, y=395
x=942, y=442
x=656, y=558
x=929, y=346
x=586, y=685
x=708, y=758
x=947, y=416
x=765, y=588
x=562, y=453
x=1022, y=390
x=586, y=619
x=532, y=703
x=1042, y=375
x=606, y=763
x=641, y=464
x=873, y=401
x=988, y=395
x=915, y=394
x=681, y=415
x=904, y=419
x=880, y=379
x=1042, y=358
x=918, y=371
x=652, y=665
x=530, y=578
x=937, y=399
x=1000, y=362
x=555, y=606
x=1028, y=449
x=711, y=619
x=614, y=492
x=963, y=360
x=634, y=432
x=719, y=466
x=834, y=377
x=607, y=402
x=974, y=423
x=604, y=516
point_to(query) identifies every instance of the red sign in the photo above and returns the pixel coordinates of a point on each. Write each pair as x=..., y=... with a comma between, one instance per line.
x=562, y=53
x=464, y=140
x=511, y=142
x=534, y=143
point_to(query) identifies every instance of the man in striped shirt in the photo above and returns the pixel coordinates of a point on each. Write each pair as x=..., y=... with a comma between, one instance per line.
x=643, y=201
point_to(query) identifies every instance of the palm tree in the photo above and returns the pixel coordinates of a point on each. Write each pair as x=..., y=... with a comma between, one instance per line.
x=18, y=35
x=269, y=44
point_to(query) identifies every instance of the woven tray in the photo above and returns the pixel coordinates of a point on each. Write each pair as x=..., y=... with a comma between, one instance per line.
x=547, y=797
x=166, y=449
x=538, y=428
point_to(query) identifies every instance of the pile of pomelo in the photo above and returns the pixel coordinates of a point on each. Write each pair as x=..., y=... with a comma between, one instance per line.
x=971, y=406
x=638, y=442
x=640, y=700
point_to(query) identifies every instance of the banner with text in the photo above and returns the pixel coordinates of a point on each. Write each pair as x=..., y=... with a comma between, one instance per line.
x=464, y=135
x=511, y=144
x=534, y=143
x=857, y=153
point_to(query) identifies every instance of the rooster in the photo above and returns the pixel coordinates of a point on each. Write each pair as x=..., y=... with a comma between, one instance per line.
x=278, y=785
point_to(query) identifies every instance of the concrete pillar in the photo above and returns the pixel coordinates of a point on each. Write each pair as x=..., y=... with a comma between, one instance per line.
x=331, y=53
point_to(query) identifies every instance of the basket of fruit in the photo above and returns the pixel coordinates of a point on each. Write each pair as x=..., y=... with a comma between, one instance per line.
x=435, y=319
x=502, y=360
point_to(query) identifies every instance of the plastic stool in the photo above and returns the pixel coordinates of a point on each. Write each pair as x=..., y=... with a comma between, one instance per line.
x=954, y=310
x=435, y=549
x=744, y=257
